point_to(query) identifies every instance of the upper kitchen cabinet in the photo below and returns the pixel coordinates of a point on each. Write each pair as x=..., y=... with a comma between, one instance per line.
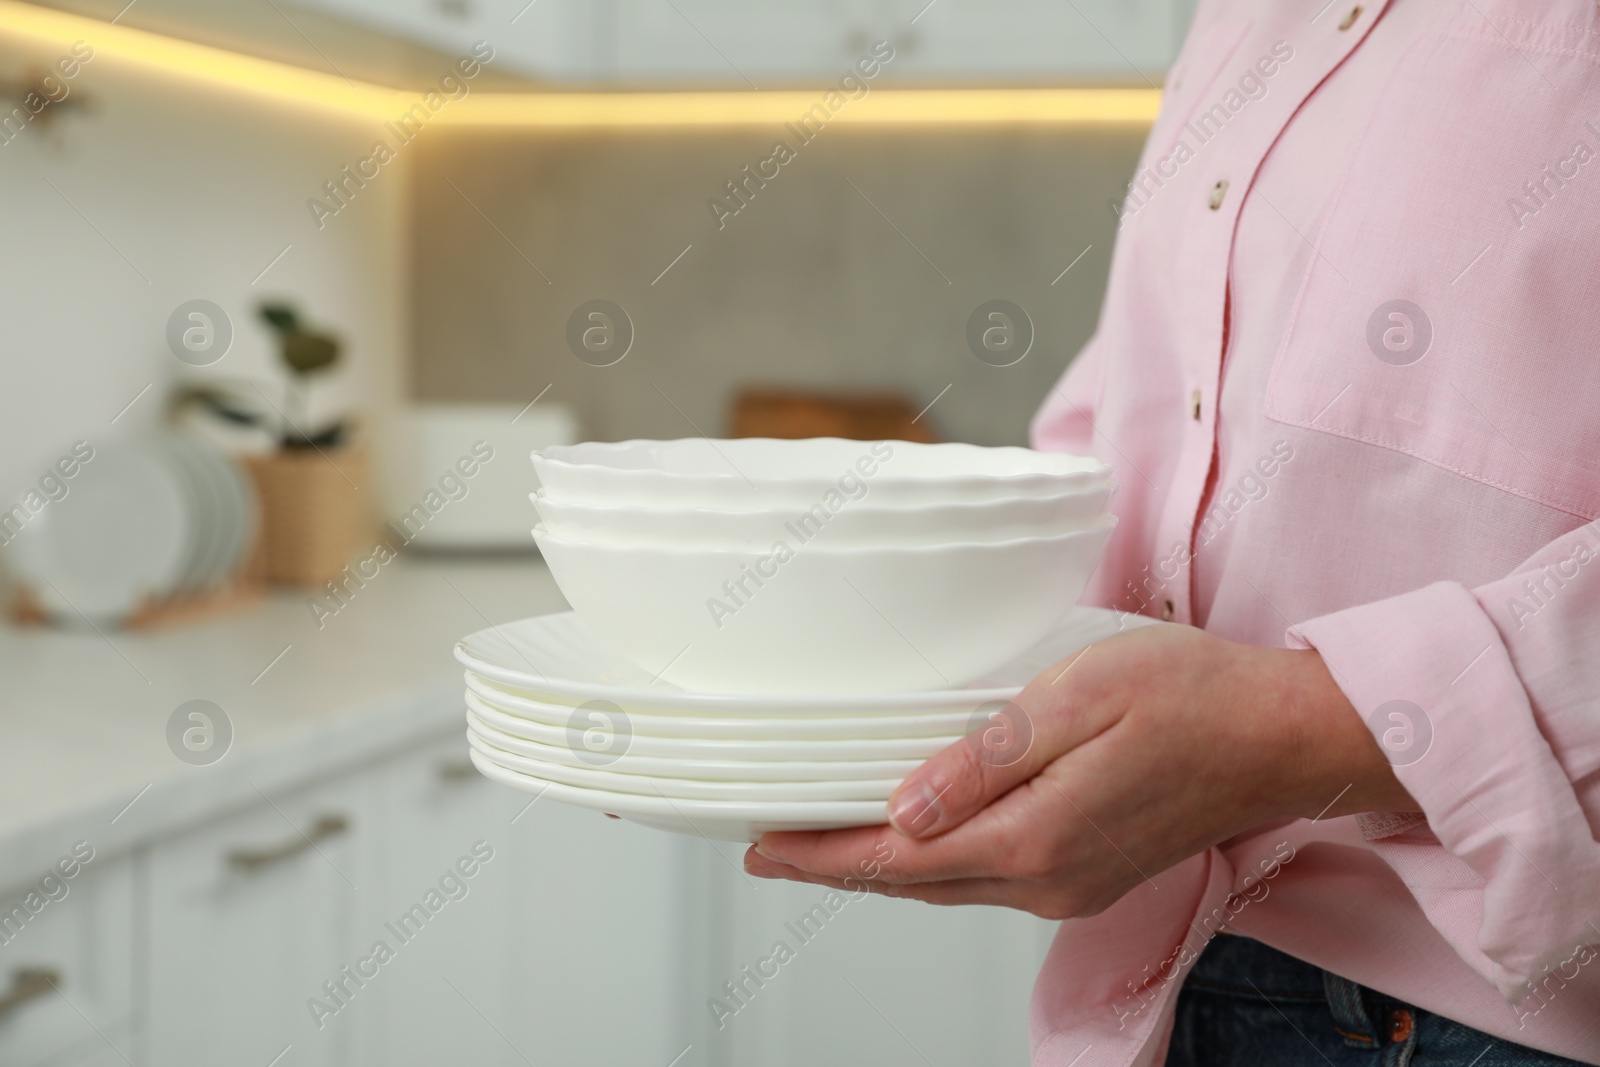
x=744, y=44
x=549, y=40
x=766, y=44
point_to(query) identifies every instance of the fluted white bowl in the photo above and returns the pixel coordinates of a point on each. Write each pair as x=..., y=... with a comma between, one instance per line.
x=851, y=525
x=762, y=472
x=816, y=619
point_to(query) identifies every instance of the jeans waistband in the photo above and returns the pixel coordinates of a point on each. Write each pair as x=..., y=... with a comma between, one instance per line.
x=1365, y=1018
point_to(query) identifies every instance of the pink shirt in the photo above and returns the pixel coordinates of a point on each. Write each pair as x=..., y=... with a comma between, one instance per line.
x=1348, y=373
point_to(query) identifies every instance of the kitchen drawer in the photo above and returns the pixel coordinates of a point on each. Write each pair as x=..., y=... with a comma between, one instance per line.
x=83, y=940
x=249, y=917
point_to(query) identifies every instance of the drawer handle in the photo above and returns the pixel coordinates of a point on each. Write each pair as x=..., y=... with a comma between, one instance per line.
x=253, y=859
x=28, y=983
x=457, y=771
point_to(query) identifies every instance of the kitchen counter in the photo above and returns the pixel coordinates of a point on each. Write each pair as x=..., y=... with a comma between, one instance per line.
x=85, y=714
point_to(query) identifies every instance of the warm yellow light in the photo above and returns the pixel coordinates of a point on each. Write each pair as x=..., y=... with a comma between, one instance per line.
x=879, y=107
x=290, y=84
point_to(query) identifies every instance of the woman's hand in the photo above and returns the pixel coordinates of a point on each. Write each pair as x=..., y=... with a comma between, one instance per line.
x=1110, y=767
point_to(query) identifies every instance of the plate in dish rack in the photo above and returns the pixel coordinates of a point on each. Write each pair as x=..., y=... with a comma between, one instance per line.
x=718, y=820
x=558, y=659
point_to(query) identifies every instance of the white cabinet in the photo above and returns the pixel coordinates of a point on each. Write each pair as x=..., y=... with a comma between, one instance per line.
x=552, y=39
x=870, y=980
x=560, y=946
x=247, y=918
x=511, y=933
x=66, y=970
x=514, y=931
x=593, y=948
x=738, y=44
x=440, y=896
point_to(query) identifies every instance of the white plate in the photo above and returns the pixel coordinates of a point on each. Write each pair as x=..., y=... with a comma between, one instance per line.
x=685, y=788
x=120, y=534
x=792, y=727
x=694, y=748
x=718, y=820
x=233, y=512
x=195, y=476
x=558, y=659
x=717, y=770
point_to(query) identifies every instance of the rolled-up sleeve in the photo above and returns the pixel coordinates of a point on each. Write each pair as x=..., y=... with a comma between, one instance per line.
x=1488, y=702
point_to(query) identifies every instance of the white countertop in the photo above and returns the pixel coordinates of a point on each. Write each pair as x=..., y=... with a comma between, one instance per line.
x=85, y=715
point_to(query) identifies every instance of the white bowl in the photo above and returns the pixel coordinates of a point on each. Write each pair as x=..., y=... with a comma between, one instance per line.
x=705, y=770
x=820, y=620
x=686, y=788
x=709, y=727
x=853, y=524
x=695, y=748
x=761, y=472
x=718, y=820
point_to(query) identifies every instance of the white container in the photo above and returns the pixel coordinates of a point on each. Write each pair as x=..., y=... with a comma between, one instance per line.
x=761, y=472
x=855, y=524
x=440, y=490
x=819, y=620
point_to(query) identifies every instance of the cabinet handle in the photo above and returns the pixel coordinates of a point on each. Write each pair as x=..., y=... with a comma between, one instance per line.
x=253, y=859
x=457, y=771
x=28, y=983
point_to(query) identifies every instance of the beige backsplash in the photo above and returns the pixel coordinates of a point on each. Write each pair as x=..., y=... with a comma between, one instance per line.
x=809, y=285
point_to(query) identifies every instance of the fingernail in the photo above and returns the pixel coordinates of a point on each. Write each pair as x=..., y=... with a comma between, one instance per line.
x=768, y=852
x=914, y=810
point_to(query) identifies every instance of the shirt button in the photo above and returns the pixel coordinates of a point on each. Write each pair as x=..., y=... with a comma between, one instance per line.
x=1218, y=192
x=1194, y=404
x=1167, y=611
x=1350, y=19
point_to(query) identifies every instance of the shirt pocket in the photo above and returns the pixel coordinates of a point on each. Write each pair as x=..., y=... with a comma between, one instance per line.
x=1451, y=311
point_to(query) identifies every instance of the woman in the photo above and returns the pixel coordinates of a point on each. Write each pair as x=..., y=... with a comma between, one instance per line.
x=1348, y=373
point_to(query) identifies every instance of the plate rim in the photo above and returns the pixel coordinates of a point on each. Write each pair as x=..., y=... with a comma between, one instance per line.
x=642, y=804
x=492, y=753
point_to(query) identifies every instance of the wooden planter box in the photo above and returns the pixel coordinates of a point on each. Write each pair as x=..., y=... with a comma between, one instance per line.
x=315, y=514
x=761, y=412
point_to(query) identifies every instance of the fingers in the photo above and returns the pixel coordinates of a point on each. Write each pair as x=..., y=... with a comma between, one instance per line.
x=977, y=849
x=992, y=891
x=962, y=779
x=1010, y=742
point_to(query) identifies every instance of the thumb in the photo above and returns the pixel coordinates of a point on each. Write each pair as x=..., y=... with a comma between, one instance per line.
x=997, y=754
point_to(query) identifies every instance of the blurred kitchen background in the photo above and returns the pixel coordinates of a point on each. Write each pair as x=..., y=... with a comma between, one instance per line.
x=346, y=355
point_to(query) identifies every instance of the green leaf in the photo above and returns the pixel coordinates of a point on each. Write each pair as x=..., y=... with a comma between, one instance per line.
x=307, y=353
x=281, y=317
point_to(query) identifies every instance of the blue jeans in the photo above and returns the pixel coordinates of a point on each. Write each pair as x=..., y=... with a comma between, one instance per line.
x=1247, y=1005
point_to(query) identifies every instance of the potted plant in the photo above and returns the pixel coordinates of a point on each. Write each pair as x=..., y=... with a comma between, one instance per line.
x=314, y=511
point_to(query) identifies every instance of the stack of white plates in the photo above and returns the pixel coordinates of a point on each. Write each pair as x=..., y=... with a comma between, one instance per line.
x=772, y=634
x=142, y=520
x=552, y=711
